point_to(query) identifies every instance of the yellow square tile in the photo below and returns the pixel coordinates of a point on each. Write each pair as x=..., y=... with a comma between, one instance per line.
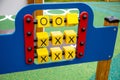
x=57, y=38
x=43, y=21
x=70, y=36
x=42, y=55
x=69, y=52
x=43, y=39
x=58, y=20
x=72, y=19
x=56, y=53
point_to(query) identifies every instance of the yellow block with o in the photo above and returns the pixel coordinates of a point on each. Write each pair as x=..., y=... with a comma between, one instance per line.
x=70, y=36
x=58, y=20
x=42, y=39
x=43, y=21
x=69, y=52
x=72, y=19
x=57, y=38
x=43, y=55
x=56, y=53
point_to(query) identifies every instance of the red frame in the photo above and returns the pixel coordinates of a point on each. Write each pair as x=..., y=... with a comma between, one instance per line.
x=29, y=38
x=83, y=23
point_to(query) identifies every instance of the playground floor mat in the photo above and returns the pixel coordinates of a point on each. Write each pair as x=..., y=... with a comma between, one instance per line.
x=85, y=71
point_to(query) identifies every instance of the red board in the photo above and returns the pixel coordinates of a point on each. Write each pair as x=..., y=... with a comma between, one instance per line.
x=81, y=41
x=29, y=38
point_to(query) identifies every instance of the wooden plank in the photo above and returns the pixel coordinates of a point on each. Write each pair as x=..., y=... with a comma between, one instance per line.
x=37, y=13
x=30, y=1
x=103, y=67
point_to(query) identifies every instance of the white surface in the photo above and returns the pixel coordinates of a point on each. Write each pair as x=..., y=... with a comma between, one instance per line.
x=11, y=7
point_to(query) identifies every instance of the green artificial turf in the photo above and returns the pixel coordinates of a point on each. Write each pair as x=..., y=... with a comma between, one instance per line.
x=85, y=71
x=6, y=24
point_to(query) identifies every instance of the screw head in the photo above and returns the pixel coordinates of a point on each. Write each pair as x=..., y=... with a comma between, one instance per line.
x=81, y=54
x=109, y=56
x=28, y=20
x=81, y=43
x=29, y=48
x=29, y=33
x=84, y=16
x=114, y=29
x=29, y=60
x=83, y=29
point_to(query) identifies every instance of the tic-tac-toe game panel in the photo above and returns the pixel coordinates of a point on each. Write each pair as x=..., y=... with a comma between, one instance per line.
x=28, y=49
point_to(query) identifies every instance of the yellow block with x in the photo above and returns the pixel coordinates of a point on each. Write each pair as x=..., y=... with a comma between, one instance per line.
x=58, y=20
x=42, y=39
x=56, y=53
x=57, y=38
x=69, y=52
x=42, y=55
x=72, y=19
x=70, y=36
x=43, y=21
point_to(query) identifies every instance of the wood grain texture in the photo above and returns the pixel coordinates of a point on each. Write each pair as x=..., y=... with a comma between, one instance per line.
x=103, y=68
x=37, y=13
x=30, y=1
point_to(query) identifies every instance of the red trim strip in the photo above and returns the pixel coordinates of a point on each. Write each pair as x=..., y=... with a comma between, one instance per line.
x=29, y=38
x=82, y=34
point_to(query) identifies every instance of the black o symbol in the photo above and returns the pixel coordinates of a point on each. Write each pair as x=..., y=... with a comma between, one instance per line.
x=58, y=18
x=43, y=19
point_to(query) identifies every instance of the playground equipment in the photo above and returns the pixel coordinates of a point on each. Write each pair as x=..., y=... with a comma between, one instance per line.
x=93, y=44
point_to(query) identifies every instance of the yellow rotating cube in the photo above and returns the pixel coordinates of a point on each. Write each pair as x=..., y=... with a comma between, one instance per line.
x=58, y=21
x=43, y=21
x=69, y=52
x=42, y=55
x=70, y=36
x=57, y=38
x=72, y=19
x=43, y=39
x=56, y=53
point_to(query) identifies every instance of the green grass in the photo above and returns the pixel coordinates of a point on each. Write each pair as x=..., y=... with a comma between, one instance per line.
x=6, y=24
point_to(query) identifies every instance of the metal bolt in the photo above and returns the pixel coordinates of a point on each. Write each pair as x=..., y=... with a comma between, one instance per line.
x=81, y=43
x=28, y=20
x=29, y=60
x=84, y=16
x=29, y=33
x=81, y=54
x=109, y=56
x=114, y=29
x=29, y=48
x=83, y=29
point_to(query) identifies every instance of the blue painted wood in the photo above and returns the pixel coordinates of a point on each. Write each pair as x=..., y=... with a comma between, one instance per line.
x=99, y=44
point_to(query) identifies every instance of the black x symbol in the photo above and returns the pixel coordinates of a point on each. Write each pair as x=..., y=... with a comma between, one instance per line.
x=57, y=40
x=71, y=39
x=43, y=59
x=57, y=56
x=70, y=54
x=43, y=42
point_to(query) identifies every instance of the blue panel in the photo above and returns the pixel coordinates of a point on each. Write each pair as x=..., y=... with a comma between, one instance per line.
x=99, y=45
